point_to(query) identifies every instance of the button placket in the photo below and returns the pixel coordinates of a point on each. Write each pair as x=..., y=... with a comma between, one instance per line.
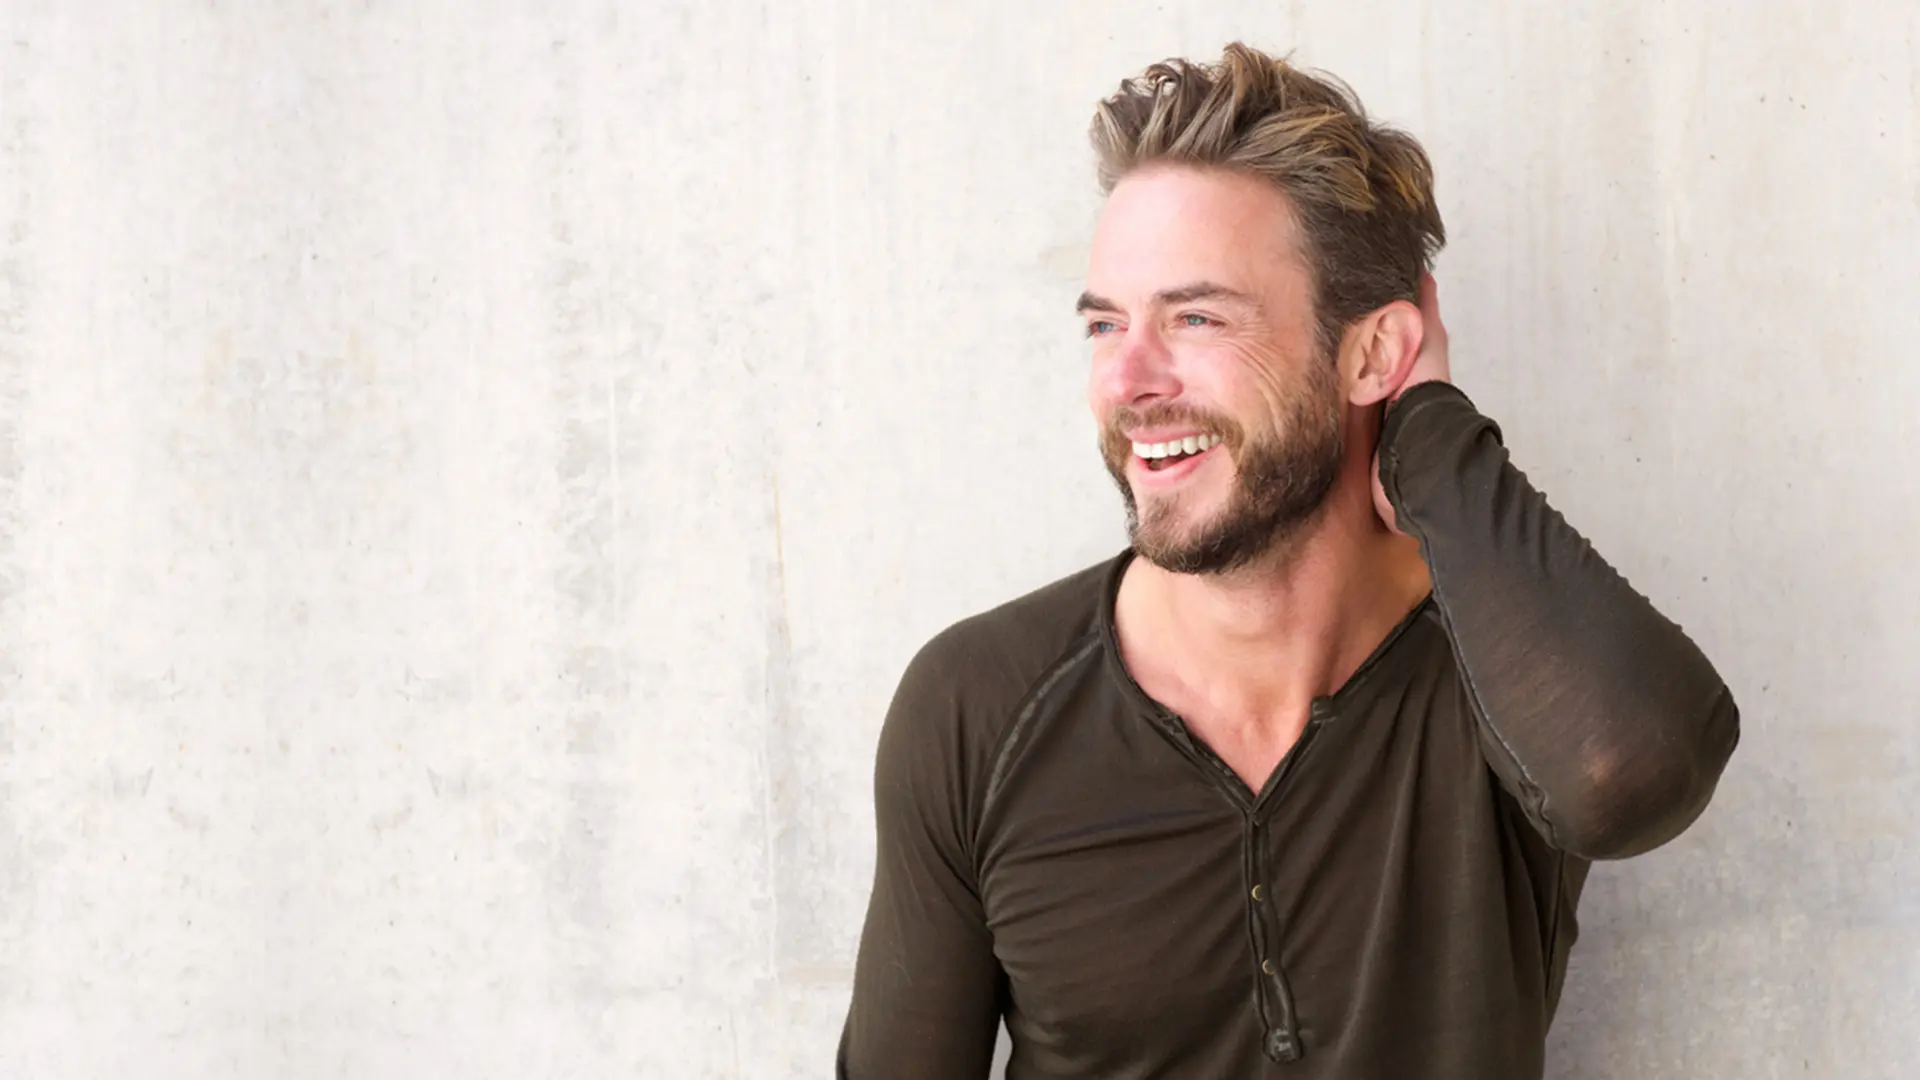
x=1281, y=1042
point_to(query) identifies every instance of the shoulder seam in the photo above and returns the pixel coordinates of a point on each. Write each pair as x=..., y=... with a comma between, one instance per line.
x=1024, y=714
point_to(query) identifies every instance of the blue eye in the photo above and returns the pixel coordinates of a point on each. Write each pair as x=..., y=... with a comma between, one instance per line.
x=1195, y=319
x=1098, y=327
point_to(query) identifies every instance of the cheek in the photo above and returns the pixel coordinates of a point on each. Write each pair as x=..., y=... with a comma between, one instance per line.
x=1261, y=386
x=1100, y=378
x=1283, y=382
x=1263, y=370
x=1098, y=405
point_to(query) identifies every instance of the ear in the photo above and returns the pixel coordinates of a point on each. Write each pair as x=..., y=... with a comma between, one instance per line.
x=1379, y=352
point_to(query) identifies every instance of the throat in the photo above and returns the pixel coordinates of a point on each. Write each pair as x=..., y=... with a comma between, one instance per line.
x=1245, y=719
x=1255, y=751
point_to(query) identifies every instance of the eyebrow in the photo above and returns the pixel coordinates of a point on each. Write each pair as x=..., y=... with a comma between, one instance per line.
x=1185, y=294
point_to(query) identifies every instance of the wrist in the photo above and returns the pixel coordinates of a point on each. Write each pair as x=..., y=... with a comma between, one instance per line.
x=1413, y=381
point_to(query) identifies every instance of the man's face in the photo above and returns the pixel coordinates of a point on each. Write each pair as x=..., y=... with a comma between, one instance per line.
x=1200, y=315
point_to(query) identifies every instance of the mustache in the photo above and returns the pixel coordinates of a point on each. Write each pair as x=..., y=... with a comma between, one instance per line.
x=1126, y=418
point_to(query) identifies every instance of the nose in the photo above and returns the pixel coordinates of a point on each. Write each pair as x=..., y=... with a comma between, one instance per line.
x=1135, y=370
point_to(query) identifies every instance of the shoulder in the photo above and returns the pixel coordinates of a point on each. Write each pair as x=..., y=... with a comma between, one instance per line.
x=964, y=685
x=987, y=662
x=996, y=654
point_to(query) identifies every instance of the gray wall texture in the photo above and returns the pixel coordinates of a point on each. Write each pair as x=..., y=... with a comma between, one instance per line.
x=471, y=474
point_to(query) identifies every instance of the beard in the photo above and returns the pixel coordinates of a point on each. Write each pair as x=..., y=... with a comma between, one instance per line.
x=1282, y=477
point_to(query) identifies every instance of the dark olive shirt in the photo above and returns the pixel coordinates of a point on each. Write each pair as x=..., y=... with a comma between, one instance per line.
x=1396, y=903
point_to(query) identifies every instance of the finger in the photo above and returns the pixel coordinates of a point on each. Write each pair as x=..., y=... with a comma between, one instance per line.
x=1436, y=330
x=1429, y=297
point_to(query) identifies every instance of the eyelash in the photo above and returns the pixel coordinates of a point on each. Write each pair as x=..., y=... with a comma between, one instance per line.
x=1093, y=328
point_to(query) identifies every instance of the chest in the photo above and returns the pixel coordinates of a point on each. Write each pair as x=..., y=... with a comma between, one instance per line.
x=1143, y=888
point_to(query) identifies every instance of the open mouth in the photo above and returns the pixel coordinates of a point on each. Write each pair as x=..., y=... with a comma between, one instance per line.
x=1165, y=455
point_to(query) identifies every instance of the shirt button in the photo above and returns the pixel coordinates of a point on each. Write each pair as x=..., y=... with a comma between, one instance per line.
x=1267, y=966
x=1259, y=894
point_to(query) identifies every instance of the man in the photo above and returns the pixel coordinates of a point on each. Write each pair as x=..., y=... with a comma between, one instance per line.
x=1306, y=783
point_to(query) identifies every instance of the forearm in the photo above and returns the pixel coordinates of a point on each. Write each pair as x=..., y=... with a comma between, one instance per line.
x=1598, y=712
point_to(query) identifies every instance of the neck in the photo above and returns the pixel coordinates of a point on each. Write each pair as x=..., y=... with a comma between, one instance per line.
x=1265, y=639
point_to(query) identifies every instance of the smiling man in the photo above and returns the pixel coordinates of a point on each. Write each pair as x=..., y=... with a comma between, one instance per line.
x=1307, y=781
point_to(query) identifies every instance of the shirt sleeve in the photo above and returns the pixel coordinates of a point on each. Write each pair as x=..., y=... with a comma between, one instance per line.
x=1600, y=716
x=927, y=989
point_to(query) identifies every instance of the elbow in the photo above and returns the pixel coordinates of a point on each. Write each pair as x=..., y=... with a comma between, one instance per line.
x=1635, y=799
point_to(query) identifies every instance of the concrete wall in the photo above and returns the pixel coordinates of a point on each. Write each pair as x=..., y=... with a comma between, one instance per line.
x=470, y=475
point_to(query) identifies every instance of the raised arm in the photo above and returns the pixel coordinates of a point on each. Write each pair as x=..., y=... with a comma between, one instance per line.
x=1597, y=712
x=927, y=989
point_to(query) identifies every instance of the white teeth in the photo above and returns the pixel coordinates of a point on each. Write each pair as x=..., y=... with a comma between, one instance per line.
x=1192, y=444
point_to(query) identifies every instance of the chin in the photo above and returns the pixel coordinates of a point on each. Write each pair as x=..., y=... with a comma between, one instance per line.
x=1186, y=546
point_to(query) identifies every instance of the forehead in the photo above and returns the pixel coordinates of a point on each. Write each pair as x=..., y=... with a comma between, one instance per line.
x=1170, y=225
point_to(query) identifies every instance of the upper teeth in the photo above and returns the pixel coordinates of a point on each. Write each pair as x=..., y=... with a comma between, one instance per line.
x=1192, y=444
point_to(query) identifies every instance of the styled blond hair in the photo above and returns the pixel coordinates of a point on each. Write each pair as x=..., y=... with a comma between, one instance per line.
x=1361, y=191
